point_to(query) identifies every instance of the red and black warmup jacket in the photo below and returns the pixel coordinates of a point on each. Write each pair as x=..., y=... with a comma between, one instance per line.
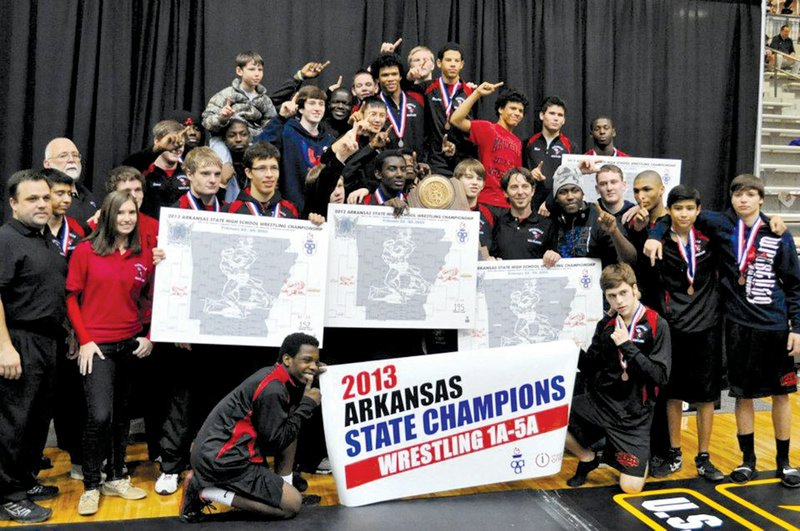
x=436, y=126
x=649, y=360
x=262, y=415
x=277, y=207
x=162, y=188
x=536, y=151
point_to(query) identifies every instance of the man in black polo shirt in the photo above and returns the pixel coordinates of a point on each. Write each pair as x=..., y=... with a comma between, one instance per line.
x=544, y=149
x=520, y=233
x=783, y=43
x=32, y=310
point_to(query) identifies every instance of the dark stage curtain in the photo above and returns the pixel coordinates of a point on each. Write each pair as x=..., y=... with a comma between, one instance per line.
x=679, y=77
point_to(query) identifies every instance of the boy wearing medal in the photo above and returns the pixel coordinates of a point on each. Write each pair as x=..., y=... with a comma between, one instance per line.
x=262, y=198
x=628, y=360
x=405, y=108
x=689, y=296
x=204, y=170
x=446, y=146
x=760, y=283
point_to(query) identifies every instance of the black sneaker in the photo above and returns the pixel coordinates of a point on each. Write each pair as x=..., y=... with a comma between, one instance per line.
x=744, y=472
x=45, y=463
x=24, y=511
x=664, y=467
x=192, y=505
x=42, y=492
x=310, y=500
x=298, y=482
x=790, y=477
x=707, y=470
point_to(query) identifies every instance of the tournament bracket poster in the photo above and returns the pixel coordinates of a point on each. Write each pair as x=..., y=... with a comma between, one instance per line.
x=668, y=169
x=230, y=279
x=417, y=270
x=410, y=426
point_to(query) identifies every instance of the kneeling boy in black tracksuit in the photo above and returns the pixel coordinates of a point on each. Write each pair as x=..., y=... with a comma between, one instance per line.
x=628, y=360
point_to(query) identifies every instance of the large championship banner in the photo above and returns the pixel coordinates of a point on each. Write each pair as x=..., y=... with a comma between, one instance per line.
x=417, y=270
x=231, y=279
x=668, y=169
x=521, y=302
x=410, y=426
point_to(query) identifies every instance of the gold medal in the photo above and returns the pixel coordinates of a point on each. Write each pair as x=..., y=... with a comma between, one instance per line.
x=624, y=376
x=741, y=280
x=690, y=291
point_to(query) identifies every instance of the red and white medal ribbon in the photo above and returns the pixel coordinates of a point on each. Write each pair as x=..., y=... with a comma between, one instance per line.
x=254, y=210
x=398, y=124
x=689, y=254
x=744, y=243
x=381, y=200
x=196, y=204
x=447, y=97
x=637, y=316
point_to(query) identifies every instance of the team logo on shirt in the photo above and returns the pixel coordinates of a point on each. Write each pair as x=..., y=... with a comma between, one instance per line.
x=557, y=150
x=639, y=334
x=141, y=272
x=535, y=235
x=761, y=272
x=627, y=460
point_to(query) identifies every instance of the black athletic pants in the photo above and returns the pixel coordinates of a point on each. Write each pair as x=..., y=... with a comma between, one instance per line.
x=107, y=391
x=25, y=413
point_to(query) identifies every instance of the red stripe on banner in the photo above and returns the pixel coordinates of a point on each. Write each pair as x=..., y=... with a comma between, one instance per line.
x=454, y=445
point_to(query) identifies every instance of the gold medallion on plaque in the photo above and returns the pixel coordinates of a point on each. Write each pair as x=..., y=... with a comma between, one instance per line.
x=436, y=192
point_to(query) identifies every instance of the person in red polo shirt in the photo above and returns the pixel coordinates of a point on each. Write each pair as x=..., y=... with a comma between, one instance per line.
x=108, y=287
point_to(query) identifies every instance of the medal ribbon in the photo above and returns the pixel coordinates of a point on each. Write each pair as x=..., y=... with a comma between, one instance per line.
x=276, y=212
x=742, y=247
x=689, y=254
x=447, y=98
x=399, y=126
x=196, y=204
x=65, y=238
x=252, y=208
x=382, y=200
x=637, y=316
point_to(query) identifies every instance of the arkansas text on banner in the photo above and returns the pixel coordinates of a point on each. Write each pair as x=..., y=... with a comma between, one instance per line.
x=668, y=169
x=417, y=270
x=231, y=279
x=410, y=426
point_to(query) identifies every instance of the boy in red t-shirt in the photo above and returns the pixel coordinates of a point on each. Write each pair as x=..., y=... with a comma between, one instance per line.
x=499, y=149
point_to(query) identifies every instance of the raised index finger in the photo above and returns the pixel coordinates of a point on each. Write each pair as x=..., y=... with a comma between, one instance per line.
x=324, y=65
x=397, y=42
x=599, y=209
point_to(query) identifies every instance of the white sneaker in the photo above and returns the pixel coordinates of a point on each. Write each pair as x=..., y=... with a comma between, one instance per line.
x=324, y=467
x=76, y=472
x=123, y=489
x=167, y=484
x=89, y=502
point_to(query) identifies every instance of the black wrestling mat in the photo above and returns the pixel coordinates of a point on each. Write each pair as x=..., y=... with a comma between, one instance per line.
x=682, y=504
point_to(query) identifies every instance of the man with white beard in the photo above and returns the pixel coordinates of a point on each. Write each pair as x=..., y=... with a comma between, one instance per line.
x=63, y=155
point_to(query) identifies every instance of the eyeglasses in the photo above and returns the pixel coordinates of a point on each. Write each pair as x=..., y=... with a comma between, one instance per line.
x=263, y=169
x=66, y=155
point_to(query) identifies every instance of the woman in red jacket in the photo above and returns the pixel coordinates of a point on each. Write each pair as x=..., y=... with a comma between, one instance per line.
x=108, y=291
